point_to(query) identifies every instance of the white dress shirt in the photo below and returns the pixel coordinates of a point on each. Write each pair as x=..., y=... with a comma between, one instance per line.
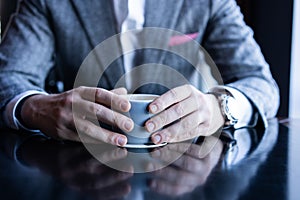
x=130, y=19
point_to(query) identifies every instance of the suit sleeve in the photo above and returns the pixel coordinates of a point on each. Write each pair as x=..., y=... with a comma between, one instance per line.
x=231, y=45
x=26, y=52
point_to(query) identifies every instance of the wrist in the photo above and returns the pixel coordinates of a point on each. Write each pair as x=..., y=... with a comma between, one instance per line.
x=28, y=111
x=217, y=118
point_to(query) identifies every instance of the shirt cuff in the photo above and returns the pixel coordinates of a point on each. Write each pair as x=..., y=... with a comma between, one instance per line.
x=243, y=109
x=10, y=110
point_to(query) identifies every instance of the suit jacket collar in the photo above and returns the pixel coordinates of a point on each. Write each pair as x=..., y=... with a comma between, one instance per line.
x=97, y=16
x=98, y=20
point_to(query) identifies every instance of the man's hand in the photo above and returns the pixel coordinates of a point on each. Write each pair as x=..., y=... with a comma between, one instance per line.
x=54, y=114
x=184, y=113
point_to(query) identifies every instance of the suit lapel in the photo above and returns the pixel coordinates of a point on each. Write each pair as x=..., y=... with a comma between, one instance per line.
x=98, y=20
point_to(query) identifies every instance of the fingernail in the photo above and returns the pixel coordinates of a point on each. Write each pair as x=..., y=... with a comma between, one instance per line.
x=156, y=138
x=124, y=106
x=121, y=141
x=150, y=126
x=153, y=108
x=128, y=125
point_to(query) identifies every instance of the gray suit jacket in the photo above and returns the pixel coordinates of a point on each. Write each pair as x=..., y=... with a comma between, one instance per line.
x=61, y=33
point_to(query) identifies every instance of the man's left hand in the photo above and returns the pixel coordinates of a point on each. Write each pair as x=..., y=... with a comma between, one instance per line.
x=184, y=113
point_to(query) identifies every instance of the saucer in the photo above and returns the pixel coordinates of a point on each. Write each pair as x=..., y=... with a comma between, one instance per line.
x=144, y=146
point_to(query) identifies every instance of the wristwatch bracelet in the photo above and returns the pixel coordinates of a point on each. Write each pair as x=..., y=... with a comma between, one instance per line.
x=224, y=96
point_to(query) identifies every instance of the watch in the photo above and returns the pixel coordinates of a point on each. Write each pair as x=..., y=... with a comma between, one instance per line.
x=226, y=101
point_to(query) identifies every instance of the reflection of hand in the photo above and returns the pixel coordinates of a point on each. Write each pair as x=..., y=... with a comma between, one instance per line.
x=74, y=166
x=189, y=171
x=89, y=176
x=193, y=112
x=54, y=116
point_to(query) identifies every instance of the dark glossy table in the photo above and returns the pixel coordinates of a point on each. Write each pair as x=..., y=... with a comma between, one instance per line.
x=257, y=164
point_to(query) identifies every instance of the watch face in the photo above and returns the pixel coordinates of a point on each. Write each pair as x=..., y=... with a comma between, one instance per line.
x=233, y=109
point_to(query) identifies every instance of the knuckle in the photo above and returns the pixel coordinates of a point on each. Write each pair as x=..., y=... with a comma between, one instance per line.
x=81, y=88
x=174, y=94
x=98, y=92
x=191, y=134
x=67, y=100
x=110, y=138
x=178, y=109
x=196, y=119
x=79, y=91
x=98, y=110
x=205, y=125
x=186, y=124
x=118, y=120
x=162, y=119
x=76, y=90
x=114, y=102
x=203, y=129
x=185, y=136
x=166, y=135
x=86, y=129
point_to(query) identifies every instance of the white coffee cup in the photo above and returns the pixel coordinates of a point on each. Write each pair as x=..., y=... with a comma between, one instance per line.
x=139, y=113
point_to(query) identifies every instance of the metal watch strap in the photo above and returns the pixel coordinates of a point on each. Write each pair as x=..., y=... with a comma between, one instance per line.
x=229, y=119
x=223, y=96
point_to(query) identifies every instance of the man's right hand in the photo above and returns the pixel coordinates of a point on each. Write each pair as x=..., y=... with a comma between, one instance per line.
x=54, y=114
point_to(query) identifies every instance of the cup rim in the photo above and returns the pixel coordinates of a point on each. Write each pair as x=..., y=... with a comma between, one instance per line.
x=150, y=96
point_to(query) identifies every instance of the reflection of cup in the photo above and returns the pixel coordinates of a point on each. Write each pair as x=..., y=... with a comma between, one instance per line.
x=139, y=114
x=139, y=186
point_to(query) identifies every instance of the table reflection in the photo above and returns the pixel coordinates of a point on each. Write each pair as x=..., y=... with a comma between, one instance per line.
x=67, y=170
x=189, y=171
